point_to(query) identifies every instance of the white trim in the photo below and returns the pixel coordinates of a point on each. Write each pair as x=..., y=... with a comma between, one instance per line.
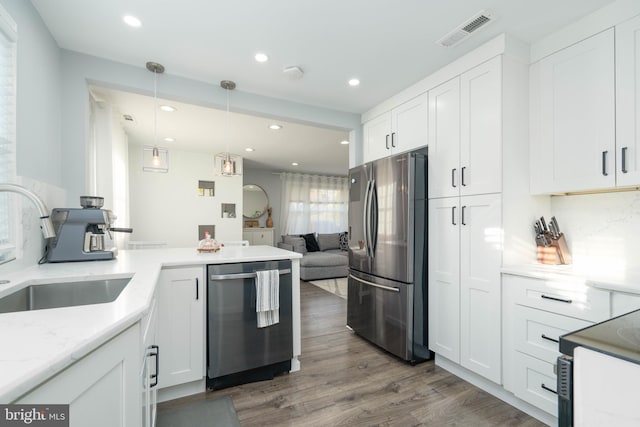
x=7, y=25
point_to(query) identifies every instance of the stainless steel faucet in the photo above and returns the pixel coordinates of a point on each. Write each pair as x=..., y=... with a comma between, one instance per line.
x=45, y=222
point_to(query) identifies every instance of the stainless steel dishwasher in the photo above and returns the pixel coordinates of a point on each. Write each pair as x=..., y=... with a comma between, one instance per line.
x=238, y=351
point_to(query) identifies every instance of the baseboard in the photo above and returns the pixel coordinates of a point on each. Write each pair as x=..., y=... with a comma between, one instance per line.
x=182, y=390
x=495, y=390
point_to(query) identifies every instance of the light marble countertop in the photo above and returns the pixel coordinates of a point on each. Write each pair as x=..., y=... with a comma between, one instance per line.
x=627, y=281
x=35, y=345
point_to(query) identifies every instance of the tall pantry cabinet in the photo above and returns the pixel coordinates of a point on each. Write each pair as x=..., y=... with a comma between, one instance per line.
x=477, y=134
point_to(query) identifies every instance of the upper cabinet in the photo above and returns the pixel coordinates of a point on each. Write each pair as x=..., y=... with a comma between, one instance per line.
x=628, y=102
x=465, y=133
x=573, y=111
x=404, y=128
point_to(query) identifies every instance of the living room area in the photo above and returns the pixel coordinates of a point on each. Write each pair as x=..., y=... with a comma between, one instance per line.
x=309, y=215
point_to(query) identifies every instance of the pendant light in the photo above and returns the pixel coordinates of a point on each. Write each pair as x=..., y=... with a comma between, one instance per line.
x=228, y=164
x=154, y=158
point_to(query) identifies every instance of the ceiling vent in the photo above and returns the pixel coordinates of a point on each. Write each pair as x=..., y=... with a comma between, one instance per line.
x=293, y=72
x=464, y=30
x=128, y=118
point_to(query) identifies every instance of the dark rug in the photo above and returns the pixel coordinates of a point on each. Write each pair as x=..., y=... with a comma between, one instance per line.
x=204, y=413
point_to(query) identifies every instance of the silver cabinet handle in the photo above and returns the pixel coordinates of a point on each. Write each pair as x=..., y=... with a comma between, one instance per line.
x=243, y=275
x=453, y=177
x=462, y=215
x=604, y=163
x=393, y=139
x=453, y=215
x=624, y=159
x=375, y=285
x=462, y=176
x=386, y=141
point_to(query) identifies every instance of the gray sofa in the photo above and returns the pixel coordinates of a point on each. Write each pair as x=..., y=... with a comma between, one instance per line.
x=324, y=260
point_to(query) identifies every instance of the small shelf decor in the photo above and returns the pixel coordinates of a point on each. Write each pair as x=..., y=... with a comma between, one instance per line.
x=206, y=188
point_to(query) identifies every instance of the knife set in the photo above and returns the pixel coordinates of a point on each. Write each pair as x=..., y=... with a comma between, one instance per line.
x=551, y=243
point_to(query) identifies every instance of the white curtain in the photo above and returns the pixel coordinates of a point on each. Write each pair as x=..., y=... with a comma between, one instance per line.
x=313, y=203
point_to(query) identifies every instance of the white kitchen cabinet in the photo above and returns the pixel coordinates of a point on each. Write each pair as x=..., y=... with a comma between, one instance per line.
x=149, y=368
x=404, y=128
x=102, y=389
x=572, y=118
x=628, y=103
x=181, y=322
x=465, y=254
x=465, y=133
x=444, y=139
x=258, y=236
x=444, y=277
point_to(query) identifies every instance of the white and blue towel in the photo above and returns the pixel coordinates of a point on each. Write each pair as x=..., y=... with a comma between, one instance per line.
x=267, y=297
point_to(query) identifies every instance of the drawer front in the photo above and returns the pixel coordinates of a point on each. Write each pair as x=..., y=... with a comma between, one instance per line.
x=568, y=298
x=537, y=332
x=535, y=383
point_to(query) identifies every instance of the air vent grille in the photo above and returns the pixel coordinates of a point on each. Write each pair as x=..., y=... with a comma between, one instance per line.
x=127, y=117
x=465, y=29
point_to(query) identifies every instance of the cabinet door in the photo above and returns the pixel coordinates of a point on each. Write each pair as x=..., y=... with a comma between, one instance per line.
x=481, y=129
x=409, y=125
x=627, y=102
x=263, y=237
x=572, y=146
x=102, y=389
x=444, y=139
x=181, y=325
x=444, y=278
x=480, y=296
x=377, y=138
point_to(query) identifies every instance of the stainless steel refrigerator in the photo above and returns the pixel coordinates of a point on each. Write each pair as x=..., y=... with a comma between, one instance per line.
x=387, y=291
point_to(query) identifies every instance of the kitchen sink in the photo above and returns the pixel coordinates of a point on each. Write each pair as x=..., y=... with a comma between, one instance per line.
x=66, y=294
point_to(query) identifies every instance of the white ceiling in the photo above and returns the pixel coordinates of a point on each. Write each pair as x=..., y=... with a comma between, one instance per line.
x=388, y=45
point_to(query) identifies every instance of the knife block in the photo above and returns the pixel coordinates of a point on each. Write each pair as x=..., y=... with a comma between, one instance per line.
x=557, y=253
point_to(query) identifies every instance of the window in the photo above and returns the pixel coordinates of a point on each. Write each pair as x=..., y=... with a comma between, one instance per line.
x=313, y=203
x=7, y=133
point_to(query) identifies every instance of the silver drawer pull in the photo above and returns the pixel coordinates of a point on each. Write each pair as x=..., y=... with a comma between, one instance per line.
x=243, y=275
x=543, y=336
x=568, y=301
x=375, y=285
x=544, y=387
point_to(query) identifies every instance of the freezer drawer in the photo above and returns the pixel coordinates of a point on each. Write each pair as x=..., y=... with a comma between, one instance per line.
x=381, y=311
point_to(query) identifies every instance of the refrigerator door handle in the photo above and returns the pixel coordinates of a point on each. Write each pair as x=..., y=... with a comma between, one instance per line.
x=373, y=214
x=365, y=216
x=375, y=285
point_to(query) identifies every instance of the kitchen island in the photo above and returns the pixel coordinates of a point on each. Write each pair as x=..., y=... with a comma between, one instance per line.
x=38, y=344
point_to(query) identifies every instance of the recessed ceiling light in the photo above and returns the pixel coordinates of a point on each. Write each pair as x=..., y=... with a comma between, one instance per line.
x=132, y=21
x=169, y=139
x=354, y=82
x=344, y=142
x=168, y=108
x=275, y=126
x=294, y=164
x=249, y=149
x=261, y=57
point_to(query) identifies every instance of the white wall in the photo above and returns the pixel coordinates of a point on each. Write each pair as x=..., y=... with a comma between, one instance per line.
x=38, y=139
x=165, y=207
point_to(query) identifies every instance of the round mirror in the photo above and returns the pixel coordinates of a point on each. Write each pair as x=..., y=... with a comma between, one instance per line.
x=254, y=201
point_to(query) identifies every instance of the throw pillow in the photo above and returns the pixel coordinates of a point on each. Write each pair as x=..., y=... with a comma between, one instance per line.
x=310, y=240
x=329, y=241
x=344, y=241
x=297, y=243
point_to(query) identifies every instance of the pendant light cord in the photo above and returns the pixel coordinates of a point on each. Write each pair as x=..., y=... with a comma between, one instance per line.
x=155, y=108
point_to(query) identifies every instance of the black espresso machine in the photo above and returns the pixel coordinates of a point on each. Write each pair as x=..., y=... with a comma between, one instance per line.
x=83, y=234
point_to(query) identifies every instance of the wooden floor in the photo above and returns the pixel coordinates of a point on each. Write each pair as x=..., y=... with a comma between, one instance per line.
x=346, y=381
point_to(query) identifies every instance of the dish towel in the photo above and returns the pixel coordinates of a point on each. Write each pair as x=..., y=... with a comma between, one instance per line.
x=267, y=297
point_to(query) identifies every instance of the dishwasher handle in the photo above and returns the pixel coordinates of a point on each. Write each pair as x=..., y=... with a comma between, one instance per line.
x=234, y=276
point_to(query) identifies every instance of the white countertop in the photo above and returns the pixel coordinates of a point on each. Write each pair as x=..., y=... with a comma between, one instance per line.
x=37, y=344
x=598, y=277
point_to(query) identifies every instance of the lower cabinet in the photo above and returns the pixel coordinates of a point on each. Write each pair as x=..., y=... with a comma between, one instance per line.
x=464, y=281
x=181, y=323
x=149, y=367
x=102, y=389
x=258, y=236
